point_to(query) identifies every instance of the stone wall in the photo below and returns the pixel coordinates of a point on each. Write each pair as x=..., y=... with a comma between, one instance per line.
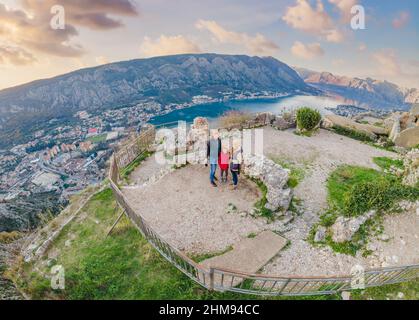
x=411, y=164
x=275, y=178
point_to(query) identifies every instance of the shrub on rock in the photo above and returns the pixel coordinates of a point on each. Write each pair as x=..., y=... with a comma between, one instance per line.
x=308, y=119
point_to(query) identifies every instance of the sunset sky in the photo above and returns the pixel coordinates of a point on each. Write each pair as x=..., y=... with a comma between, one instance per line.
x=315, y=34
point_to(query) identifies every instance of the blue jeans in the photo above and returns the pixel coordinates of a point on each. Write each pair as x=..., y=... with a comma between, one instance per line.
x=212, y=172
x=235, y=177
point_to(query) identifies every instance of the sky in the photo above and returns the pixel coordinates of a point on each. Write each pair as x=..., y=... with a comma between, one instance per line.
x=314, y=34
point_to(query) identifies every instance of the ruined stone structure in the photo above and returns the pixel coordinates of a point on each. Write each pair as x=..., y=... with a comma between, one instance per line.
x=405, y=129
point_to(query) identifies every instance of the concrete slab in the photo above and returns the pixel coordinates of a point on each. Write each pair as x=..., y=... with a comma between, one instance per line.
x=247, y=256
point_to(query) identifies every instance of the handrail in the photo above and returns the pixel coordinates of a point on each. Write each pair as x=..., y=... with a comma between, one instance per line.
x=230, y=280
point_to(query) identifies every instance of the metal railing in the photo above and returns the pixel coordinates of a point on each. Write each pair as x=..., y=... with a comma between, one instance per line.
x=236, y=281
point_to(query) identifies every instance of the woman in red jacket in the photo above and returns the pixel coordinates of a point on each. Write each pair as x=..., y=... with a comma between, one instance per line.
x=223, y=162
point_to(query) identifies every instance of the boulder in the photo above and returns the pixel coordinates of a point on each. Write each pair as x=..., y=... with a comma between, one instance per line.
x=345, y=228
x=408, y=138
x=278, y=198
x=370, y=130
x=395, y=131
x=414, y=111
x=404, y=120
x=260, y=120
x=327, y=123
x=391, y=120
x=282, y=123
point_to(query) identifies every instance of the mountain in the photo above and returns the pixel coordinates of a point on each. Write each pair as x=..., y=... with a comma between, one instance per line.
x=168, y=79
x=365, y=92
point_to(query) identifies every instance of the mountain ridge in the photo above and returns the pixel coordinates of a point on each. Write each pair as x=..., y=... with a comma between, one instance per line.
x=171, y=65
x=377, y=93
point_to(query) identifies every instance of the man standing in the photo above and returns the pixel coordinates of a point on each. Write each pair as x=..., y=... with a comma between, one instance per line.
x=213, y=152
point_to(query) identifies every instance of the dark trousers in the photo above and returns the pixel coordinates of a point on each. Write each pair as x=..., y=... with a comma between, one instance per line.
x=235, y=176
x=213, y=169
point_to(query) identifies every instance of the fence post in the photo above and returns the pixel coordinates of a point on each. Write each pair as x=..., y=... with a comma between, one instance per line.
x=211, y=274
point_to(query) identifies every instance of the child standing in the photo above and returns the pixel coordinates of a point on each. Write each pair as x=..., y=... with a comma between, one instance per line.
x=236, y=160
x=223, y=161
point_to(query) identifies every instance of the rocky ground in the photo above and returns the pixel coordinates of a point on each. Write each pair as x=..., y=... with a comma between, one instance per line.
x=199, y=219
x=318, y=155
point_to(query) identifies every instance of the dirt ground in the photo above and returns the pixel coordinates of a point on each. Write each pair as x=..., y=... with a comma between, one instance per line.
x=191, y=214
x=194, y=217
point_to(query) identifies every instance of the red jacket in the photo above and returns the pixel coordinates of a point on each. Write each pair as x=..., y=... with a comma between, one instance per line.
x=223, y=160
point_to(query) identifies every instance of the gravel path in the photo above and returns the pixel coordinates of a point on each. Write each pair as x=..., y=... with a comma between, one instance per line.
x=191, y=214
x=148, y=170
x=402, y=246
x=194, y=217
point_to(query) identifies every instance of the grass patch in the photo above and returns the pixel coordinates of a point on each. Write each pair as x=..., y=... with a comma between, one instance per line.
x=353, y=191
x=386, y=163
x=342, y=180
x=260, y=204
x=201, y=257
x=352, y=133
x=234, y=119
x=8, y=237
x=98, y=139
x=252, y=235
x=410, y=291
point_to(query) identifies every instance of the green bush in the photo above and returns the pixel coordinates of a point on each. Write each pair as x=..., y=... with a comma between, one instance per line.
x=308, y=119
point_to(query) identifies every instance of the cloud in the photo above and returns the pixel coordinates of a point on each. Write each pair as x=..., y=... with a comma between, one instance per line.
x=308, y=52
x=28, y=29
x=304, y=17
x=362, y=47
x=387, y=63
x=345, y=7
x=334, y=36
x=257, y=44
x=167, y=45
x=401, y=20
x=338, y=62
x=15, y=56
x=388, y=66
x=101, y=60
